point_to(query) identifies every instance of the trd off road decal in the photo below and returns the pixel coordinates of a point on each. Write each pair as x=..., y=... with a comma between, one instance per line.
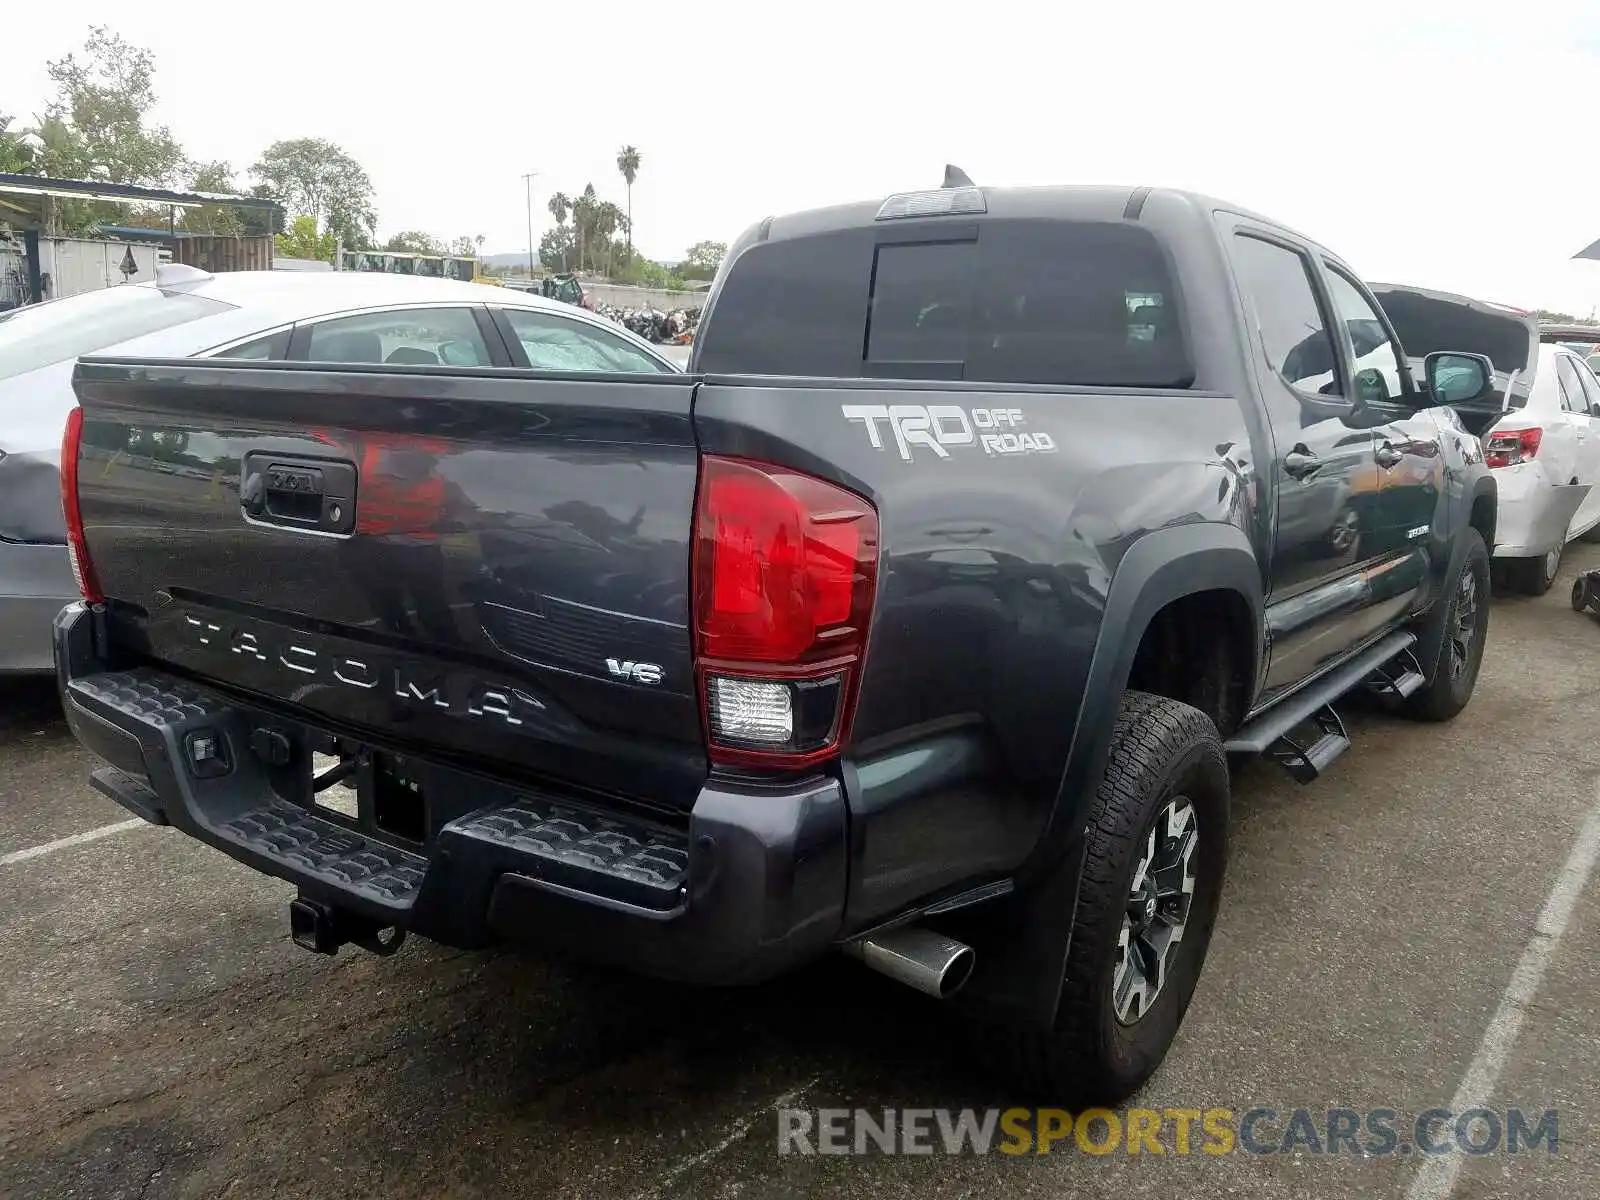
x=938, y=427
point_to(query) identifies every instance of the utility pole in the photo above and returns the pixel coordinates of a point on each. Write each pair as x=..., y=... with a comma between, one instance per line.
x=528, y=181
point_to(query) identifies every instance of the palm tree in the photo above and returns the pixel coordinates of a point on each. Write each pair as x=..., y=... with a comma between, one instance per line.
x=608, y=219
x=583, y=213
x=628, y=164
x=560, y=205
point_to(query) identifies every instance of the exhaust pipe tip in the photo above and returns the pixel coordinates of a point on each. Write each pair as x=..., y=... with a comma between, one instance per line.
x=929, y=962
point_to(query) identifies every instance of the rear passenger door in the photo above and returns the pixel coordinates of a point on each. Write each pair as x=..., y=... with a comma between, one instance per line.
x=1324, y=470
x=1580, y=398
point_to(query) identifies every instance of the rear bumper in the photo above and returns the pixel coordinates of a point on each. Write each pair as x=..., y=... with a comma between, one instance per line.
x=1533, y=514
x=753, y=883
x=35, y=582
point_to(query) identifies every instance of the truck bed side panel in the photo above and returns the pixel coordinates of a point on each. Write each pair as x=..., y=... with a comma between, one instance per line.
x=995, y=566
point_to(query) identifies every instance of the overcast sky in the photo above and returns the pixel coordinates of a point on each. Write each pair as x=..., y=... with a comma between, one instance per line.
x=1452, y=144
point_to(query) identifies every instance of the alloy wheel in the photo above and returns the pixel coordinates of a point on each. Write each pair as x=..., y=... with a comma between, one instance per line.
x=1157, y=912
x=1464, y=630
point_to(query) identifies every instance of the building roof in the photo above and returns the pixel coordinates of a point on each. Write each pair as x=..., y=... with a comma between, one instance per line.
x=123, y=193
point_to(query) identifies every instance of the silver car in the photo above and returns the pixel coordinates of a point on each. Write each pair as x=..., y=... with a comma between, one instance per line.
x=338, y=317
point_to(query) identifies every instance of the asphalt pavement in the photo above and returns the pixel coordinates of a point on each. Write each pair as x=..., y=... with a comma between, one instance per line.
x=1416, y=930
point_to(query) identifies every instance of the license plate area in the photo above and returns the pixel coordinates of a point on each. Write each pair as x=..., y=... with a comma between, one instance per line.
x=372, y=790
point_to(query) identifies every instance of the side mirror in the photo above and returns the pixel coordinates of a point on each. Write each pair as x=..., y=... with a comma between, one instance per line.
x=1455, y=378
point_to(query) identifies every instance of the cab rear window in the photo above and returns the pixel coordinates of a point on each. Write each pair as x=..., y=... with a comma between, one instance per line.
x=1048, y=302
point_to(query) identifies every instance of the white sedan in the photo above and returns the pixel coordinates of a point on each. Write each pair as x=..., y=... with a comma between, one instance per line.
x=1545, y=457
x=1540, y=428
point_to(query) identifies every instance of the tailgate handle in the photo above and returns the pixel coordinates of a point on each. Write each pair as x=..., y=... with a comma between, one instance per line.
x=298, y=493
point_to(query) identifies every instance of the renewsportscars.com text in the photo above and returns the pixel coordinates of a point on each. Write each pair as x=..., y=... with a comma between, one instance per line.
x=1368, y=1133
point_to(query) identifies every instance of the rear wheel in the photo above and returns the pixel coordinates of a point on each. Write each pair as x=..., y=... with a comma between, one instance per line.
x=1147, y=900
x=1466, y=628
x=1533, y=576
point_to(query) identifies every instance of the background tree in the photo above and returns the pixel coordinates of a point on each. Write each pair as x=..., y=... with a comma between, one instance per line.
x=628, y=164
x=560, y=206
x=584, y=212
x=414, y=241
x=301, y=240
x=556, y=247
x=465, y=246
x=256, y=222
x=702, y=259
x=103, y=100
x=218, y=219
x=17, y=154
x=608, y=219
x=316, y=178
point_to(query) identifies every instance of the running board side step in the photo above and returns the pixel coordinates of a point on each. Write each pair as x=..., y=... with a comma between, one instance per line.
x=1306, y=762
x=1271, y=732
x=1397, y=679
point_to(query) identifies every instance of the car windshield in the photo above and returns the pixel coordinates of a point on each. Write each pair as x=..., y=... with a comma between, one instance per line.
x=60, y=330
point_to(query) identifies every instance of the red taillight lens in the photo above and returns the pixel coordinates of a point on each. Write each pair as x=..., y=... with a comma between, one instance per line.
x=1508, y=447
x=77, y=545
x=784, y=578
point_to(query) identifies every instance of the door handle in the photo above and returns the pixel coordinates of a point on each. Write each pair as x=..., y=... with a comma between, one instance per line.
x=1300, y=463
x=1388, y=456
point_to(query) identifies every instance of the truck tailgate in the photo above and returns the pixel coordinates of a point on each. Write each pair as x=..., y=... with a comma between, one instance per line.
x=488, y=563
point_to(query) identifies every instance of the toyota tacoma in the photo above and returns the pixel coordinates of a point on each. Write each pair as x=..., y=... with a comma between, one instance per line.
x=919, y=620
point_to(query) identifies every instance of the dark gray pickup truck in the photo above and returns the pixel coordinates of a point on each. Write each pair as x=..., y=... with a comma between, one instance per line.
x=919, y=619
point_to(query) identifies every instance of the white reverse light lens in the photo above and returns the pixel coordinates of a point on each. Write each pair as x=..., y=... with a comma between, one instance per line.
x=748, y=710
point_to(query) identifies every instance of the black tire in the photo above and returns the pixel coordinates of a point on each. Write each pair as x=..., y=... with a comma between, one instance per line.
x=1592, y=534
x=1161, y=751
x=1580, y=593
x=1533, y=576
x=1455, y=673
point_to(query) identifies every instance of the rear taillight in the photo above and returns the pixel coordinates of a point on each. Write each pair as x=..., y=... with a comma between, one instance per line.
x=785, y=572
x=1508, y=447
x=77, y=545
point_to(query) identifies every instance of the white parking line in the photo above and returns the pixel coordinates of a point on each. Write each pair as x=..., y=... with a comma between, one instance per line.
x=77, y=839
x=1438, y=1175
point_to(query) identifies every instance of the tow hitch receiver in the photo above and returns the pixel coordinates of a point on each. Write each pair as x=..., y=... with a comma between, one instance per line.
x=322, y=929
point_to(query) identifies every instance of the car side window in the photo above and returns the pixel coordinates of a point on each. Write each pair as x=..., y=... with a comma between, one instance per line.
x=273, y=346
x=1590, y=385
x=406, y=336
x=1378, y=376
x=1282, y=303
x=1567, y=378
x=557, y=343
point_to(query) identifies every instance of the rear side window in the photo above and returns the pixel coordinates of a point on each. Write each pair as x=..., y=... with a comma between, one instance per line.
x=555, y=343
x=61, y=330
x=429, y=337
x=1590, y=385
x=273, y=346
x=1050, y=302
x=1573, y=398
